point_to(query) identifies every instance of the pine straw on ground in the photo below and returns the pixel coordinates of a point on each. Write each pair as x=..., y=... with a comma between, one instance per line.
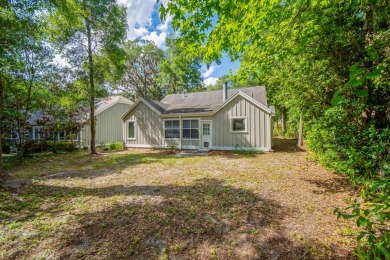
x=147, y=204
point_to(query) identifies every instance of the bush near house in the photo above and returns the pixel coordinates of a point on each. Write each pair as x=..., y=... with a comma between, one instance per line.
x=114, y=146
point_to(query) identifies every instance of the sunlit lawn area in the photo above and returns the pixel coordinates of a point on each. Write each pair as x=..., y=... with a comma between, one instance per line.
x=147, y=204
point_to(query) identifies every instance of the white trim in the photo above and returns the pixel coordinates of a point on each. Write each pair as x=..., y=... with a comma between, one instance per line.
x=200, y=114
x=246, y=125
x=127, y=130
x=227, y=148
x=136, y=103
x=171, y=119
x=144, y=146
x=128, y=102
x=245, y=96
x=211, y=134
x=181, y=134
x=41, y=131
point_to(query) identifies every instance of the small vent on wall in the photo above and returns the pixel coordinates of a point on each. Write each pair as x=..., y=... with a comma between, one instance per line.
x=206, y=144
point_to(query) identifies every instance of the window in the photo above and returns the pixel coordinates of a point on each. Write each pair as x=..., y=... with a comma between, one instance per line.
x=191, y=129
x=172, y=129
x=38, y=132
x=131, y=130
x=239, y=124
x=206, y=129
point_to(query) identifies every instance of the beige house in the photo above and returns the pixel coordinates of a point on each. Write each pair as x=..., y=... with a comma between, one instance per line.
x=219, y=120
x=108, y=114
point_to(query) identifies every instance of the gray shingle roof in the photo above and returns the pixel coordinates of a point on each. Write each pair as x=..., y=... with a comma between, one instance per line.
x=198, y=102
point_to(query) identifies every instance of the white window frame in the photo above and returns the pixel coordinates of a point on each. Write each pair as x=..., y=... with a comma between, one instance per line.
x=172, y=119
x=182, y=128
x=41, y=131
x=135, y=130
x=239, y=117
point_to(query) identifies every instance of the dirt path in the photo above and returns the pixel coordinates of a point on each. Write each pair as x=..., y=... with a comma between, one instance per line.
x=145, y=204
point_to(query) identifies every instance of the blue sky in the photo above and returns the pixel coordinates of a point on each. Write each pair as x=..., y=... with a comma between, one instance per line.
x=144, y=23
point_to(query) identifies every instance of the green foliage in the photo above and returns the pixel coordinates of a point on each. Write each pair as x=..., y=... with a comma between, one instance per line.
x=343, y=142
x=179, y=70
x=62, y=145
x=140, y=68
x=373, y=219
x=322, y=59
x=115, y=146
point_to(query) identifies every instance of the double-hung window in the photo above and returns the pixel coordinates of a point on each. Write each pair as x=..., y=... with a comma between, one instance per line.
x=191, y=129
x=172, y=129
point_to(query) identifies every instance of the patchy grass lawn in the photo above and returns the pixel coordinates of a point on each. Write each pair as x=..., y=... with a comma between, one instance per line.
x=146, y=204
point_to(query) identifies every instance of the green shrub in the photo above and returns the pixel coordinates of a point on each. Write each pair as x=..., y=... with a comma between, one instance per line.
x=373, y=220
x=35, y=146
x=115, y=146
x=63, y=145
x=343, y=143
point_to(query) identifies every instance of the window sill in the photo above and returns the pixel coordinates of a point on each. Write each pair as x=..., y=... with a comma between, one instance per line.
x=188, y=139
x=131, y=139
x=239, y=132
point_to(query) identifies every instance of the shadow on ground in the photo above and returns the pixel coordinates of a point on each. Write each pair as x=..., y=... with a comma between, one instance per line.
x=285, y=145
x=331, y=186
x=207, y=219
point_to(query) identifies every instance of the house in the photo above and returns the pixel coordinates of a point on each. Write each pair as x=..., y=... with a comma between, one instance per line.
x=41, y=125
x=219, y=120
x=108, y=114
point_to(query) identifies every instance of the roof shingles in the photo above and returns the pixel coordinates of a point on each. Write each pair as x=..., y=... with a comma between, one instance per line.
x=202, y=102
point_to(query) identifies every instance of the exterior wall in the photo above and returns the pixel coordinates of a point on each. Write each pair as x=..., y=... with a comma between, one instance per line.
x=148, y=128
x=258, y=133
x=108, y=126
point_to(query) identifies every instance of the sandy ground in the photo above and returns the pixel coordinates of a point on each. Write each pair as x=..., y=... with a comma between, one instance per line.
x=147, y=204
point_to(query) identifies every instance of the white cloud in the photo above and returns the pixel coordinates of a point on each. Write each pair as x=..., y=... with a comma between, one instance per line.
x=208, y=72
x=158, y=39
x=210, y=81
x=139, y=20
x=163, y=27
x=139, y=16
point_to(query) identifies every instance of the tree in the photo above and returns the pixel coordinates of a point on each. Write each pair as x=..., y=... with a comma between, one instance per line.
x=180, y=70
x=88, y=29
x=140, y=68
x=21, y=21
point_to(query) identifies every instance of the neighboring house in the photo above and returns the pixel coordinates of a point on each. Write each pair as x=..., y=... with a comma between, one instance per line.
x=41, y=122
x=219, y=120
x=38, y=131
x=108, y=114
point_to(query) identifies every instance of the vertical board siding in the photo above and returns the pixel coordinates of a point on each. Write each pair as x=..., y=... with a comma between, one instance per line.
x=108, y=126
x=149, y=127
x=257, y=123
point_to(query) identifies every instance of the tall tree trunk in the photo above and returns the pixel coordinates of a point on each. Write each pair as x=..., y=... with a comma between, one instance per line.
x=91, y=88
x=2, y=173
x=283, y=110
x=300, y=134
